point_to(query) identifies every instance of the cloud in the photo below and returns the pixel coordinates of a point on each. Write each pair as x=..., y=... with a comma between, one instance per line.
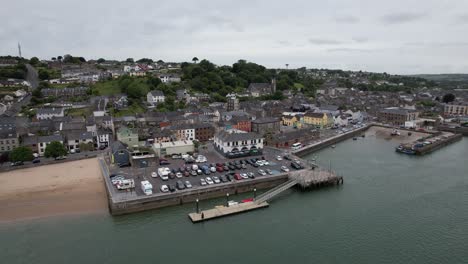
x=437, y=44
x=324, y=41
x=360, y=39
x=462, y=18
x=347, y=19
x=354, y=50
x=402, y=17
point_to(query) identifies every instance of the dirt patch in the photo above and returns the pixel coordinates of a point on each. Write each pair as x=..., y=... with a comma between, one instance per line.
x=386, y=134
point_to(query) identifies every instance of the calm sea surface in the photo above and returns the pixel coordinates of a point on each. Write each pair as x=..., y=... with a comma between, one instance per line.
x=392, y=208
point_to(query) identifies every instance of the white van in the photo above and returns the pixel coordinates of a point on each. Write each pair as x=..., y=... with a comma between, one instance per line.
x=194, y=167
x=126, y=184
x=146, y=187
x=164, y=173
x=295, y=146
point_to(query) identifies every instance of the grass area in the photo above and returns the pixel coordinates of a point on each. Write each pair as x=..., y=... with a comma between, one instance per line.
x=106, y=87
x=131, y=110
x=78, y=112
x=60, y=85
x=298, y=86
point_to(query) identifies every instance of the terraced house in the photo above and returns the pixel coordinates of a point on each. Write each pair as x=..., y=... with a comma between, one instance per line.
x=319, y=120
x=293, y=120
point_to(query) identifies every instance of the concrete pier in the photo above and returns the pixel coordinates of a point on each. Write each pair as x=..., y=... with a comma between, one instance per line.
x=220, y=211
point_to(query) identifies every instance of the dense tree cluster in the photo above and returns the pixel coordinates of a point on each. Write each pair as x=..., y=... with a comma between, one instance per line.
x=18, y=71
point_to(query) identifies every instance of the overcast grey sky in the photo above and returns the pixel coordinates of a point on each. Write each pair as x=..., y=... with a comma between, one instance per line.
x=398, y=36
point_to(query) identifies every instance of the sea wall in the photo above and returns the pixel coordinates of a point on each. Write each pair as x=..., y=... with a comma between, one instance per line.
x=190, y=196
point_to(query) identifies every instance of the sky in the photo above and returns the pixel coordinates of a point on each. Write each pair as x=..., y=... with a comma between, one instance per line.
x=398, y=36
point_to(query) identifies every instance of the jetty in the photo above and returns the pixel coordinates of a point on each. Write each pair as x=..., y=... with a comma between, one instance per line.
x=306, y=179
x=429, y=144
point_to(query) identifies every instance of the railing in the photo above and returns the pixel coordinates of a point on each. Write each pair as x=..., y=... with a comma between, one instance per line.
x=275, y=191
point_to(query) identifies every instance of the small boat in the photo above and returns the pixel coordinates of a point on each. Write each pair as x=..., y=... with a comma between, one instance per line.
x=333, y=146
x=363, y=135
x=354, y=138
x=395, y=132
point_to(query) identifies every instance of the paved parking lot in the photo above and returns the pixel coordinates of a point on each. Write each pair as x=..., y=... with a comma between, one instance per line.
x=140, y=174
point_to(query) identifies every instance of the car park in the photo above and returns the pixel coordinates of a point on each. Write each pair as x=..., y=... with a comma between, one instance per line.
x=164, y=188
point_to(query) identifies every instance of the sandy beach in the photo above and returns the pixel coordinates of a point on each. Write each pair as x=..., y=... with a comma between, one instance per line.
x=74, y=187
x=385, y=133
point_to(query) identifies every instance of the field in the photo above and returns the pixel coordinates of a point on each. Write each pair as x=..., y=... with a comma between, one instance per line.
x=79, y=112
x=106, y=88
x=131, y=110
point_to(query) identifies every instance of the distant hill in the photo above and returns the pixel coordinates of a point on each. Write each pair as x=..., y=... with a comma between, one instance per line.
x=458, y=80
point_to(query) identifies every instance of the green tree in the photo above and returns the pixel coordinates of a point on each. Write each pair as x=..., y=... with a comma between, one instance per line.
x=448, y=98
x=101, y=60
x=195, y=59
x=21, y=154
x=130, y=60
x=55, y=149
x=34, y=61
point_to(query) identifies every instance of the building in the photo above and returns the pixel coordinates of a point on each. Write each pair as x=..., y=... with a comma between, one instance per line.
x=168, y=78
x=456, y=109
x=286, y=139
x=49, y=113
x=319, y=120
x=238, y=143
x=154, y=97
x=38, y=144
x=182, y=95
x=8, y=137
x=127, y=136
x=260, y=89
x=232, y=102
x=294, y=120
x=184, y=131
x=119, y=154
x=397, y=116
x=103, y=137
x=266, y=125
x=204, y=132
x=77, y=138
x=174, y=147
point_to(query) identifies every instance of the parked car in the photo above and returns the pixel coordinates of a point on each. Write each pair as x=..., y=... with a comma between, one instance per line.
x=186, y=174
x=178, y=175
x=243, y=166
x=209, y=181
x=219, y=169
x=230, y=177
x=154, y=174
x=270, y=172
x=238, y=166
x=17, y=163
x=180, y=185
x=261, y=172
x=279, y=158
x=232, y=167
x=255, y=165
x=284, y=168
x=202, y=182
x=171, y=188
x=251, y=175
x=164, y=188
x=188, y=185
x=194, y=173
x=225, y=168
x=164, y=162
x=286, y=157
x=244, y=176
x=237, y=176
x=296, y=166
x=36, y=160
x=216, y=179
x=223, y=178
x=171, y=175
x=199, y=172
x=213, y=169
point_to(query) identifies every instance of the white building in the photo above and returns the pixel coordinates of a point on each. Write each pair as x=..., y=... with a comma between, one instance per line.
x=103, y=138
x=184, y=132
x=236, y=143
x=168, y=78
x=454, y=109
x=43, y=142
x=49, y=113
x=174, y=147
x=75, y=138
x=155, y=97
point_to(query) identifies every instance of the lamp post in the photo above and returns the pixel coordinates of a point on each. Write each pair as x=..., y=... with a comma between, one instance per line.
x=198, y=209
x=227, y=199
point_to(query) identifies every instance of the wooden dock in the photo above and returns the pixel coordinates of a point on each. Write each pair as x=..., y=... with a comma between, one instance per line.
x=220, y=211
